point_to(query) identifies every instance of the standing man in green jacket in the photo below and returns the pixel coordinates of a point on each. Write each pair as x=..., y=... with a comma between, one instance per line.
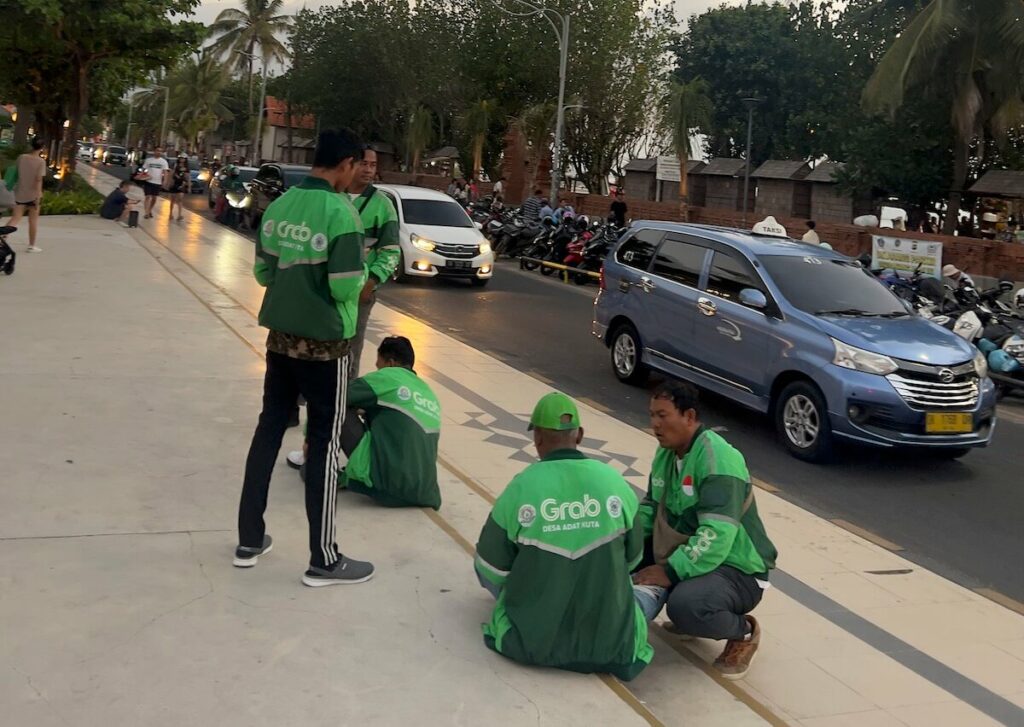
x=556, y=552
x=711, y=555
x=309, y=255
x=380, y=223
x=393, y=456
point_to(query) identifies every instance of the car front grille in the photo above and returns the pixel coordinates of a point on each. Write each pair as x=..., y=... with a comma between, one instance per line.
x=936, y=387
x=459, y=252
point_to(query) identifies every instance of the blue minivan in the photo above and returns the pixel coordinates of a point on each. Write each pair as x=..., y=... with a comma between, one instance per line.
x=793, y=330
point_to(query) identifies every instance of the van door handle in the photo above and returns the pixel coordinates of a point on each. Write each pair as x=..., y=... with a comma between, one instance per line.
x=705, y=306
x=646, y=283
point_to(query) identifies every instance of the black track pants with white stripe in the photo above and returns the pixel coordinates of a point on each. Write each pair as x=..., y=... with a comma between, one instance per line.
x=324, y=385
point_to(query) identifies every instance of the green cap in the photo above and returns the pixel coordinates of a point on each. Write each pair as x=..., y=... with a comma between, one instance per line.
x=555, y=411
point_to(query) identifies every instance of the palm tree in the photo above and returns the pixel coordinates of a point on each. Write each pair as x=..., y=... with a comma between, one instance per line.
x=536, y=124
x=686, y=108
x=197, y=87
x=419, y=134
x=239, y=31
x=970, y=49
x=476, y=123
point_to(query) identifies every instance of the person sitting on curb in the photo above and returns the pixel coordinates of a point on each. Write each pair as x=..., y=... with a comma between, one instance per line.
x=556, y=552
x=118, y=204
x=392, y=446
x=707, y=552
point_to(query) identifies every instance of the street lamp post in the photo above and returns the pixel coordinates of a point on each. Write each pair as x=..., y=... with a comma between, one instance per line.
x=750, y=103
x=563, y=50
x=163, y=126
x=128, y=129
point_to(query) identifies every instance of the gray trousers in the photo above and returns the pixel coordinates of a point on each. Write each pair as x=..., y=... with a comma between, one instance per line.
x=356, y=351
x=712, y=606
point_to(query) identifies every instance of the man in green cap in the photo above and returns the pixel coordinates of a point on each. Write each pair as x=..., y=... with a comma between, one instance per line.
x=708, y=555
x=392, y=447
x=556, y=552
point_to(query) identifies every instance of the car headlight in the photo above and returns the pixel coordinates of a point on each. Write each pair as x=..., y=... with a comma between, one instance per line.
x=980, y=364
x=422, y=243
x=850, y=357
x=485, y=248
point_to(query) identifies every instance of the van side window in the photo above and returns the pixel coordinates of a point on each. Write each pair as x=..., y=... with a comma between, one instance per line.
x=680, y=261
x=729, y=276
x=637, y=251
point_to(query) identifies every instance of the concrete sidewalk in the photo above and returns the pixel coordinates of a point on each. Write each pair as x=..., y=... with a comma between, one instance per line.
x=137, y=357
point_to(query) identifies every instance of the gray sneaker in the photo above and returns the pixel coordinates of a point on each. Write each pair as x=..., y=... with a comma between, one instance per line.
x=247, y=557
x=343, y=572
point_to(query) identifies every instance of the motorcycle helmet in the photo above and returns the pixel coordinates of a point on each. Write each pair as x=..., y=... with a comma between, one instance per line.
x=1018, y=300
x=1002, y=362
x=986, y=346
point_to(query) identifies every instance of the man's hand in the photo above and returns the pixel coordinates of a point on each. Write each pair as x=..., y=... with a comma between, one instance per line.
x=368, y=290
x=652, y=575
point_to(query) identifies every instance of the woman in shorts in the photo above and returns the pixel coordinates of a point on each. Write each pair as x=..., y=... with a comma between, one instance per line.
x=181, y=182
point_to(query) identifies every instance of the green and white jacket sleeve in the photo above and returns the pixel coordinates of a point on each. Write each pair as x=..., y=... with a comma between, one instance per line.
x=496, y=550
x=361, y=395
x=649, y=506
x=266, y=259
x=635, y=535
x=382, y=257
x=719, y=511
x=346, y=273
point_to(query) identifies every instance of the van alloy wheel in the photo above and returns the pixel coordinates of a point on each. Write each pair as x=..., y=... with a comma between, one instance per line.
x=802, y=421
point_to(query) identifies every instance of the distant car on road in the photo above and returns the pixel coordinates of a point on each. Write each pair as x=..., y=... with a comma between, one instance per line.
x=196, y=173
x=85, y=151
x=245, y=174
x=793, y=330
x=117, y=155
x=438, y=237
x=271, y=181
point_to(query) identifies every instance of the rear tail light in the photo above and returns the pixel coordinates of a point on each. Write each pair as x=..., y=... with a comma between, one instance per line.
x=600, y=282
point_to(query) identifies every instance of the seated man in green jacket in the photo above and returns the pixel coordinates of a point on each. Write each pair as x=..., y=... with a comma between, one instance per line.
x=392, y=449
x=556, y=552
x=707, y=550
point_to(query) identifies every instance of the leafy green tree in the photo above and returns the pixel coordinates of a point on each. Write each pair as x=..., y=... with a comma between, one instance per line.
x=419, y=134
x=197, y=86
x=686, y=110
x=62, y=45
x=477, y=123
x=253, y=30
x=977, y=47
x=536, y=124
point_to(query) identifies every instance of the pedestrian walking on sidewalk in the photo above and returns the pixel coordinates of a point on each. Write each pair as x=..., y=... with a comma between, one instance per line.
x=707, y=555
x=28, y=191
x=181, y=182
x=309, y=255
x=156, y=169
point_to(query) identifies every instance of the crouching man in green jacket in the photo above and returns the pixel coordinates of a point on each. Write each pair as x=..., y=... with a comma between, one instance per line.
x=707, y=548
x=556, y=552
x=392, y=448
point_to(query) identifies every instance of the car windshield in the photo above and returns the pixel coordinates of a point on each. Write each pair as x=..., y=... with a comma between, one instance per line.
x=435, y=212
x=247, y=175
x=116, y=149
x=825, y=286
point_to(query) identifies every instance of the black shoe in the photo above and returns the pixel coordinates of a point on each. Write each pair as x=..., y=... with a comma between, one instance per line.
x=246, y=557
x=343, y=572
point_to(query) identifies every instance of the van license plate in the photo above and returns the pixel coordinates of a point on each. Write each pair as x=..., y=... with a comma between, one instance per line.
x=948, y=422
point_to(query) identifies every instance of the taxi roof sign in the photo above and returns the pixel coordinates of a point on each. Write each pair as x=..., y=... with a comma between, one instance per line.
x=770, y=227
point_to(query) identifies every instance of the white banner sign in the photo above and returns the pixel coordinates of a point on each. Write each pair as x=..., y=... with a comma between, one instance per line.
x=900, y=253
x=668, y=169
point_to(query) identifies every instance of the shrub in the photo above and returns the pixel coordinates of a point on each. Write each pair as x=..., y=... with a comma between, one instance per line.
x=78, y=199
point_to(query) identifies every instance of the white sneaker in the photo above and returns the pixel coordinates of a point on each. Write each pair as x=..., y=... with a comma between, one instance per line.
x=296, y=459
x=33, y=248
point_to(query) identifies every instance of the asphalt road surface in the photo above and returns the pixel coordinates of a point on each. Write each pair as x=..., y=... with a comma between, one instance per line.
x=960, y=518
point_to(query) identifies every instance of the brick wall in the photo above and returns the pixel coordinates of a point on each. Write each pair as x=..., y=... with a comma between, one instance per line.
x=829, y=204
x=774, y=197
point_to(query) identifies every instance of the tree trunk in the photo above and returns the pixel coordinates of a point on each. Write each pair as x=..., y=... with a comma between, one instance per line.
x=478, y=152
x=684, y=188
x=79, y=106
x=415, y=161
x=21, y=126
x=960, y=154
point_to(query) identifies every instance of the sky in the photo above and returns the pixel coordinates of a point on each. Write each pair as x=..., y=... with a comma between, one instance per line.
x=208, y=9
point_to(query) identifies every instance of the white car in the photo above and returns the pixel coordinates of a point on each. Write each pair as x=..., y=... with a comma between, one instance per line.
x=85, y=152
x=438, y=237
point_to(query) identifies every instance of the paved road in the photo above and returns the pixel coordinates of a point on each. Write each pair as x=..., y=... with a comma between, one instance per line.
x=960, y=519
